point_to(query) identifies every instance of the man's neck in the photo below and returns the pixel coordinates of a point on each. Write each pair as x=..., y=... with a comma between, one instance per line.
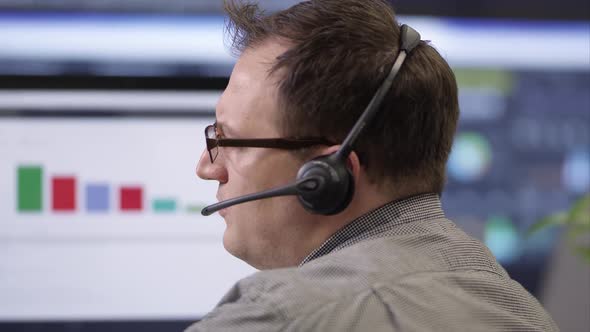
x=325, y=226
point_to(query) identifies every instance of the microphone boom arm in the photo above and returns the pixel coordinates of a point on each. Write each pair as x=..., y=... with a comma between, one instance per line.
x=302, y=186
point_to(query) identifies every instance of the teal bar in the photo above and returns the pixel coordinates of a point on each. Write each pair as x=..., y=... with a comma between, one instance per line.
x=164, y=205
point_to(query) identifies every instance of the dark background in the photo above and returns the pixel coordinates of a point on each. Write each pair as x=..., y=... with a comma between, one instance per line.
x=530, y=9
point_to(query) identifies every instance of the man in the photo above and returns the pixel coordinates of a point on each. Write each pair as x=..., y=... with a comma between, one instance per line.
x=390, y=261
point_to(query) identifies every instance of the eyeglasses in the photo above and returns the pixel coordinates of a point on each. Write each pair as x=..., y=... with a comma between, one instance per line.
x=214, y=140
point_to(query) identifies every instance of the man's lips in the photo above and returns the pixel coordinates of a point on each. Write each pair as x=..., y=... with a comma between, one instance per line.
x=222, y=212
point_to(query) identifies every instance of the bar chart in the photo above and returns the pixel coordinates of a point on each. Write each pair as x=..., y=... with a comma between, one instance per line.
x=103, y=171
x=97, y=197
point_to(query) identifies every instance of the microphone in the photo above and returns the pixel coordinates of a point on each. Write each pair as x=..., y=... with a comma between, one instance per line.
x=300, y=187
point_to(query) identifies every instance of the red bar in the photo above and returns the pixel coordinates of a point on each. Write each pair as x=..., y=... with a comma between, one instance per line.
x=131, y=198
x=64, y=193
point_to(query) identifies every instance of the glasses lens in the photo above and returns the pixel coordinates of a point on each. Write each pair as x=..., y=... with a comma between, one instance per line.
x=211, y=139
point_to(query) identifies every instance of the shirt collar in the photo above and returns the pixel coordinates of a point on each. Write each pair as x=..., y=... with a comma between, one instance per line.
x=415, y=208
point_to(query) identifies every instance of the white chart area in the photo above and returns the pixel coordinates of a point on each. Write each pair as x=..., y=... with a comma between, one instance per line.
x=113, y=264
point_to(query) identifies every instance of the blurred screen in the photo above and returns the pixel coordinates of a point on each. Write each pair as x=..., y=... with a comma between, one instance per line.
x=522, y=153
x=112, y=44
x=99, y=201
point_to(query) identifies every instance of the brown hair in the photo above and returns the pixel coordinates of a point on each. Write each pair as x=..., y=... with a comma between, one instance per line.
x=341, y=51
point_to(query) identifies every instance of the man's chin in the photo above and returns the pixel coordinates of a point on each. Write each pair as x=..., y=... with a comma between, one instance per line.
x=231, y=243
x=235, y=246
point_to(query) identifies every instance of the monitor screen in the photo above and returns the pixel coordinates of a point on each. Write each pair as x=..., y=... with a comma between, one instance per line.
x=112, y=44
x=522, y=153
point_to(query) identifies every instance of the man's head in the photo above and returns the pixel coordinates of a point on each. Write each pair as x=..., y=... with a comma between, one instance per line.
x=310, y=71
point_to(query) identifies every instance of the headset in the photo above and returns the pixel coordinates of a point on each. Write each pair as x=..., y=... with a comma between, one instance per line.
x=325, y=185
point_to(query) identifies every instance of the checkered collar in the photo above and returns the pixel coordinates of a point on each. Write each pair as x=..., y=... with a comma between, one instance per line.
x=415, y=208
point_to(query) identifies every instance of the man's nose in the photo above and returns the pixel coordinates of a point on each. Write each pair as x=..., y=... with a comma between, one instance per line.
x=211, y=171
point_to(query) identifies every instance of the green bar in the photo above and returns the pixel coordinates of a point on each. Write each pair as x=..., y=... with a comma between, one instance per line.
x=164, y=205
x=30, y=188
x=196, y=209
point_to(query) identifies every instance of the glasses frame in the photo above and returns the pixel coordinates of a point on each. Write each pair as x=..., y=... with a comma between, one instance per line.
x=285, y=143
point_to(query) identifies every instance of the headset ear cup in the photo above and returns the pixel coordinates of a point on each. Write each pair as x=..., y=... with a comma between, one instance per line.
x=334, y=193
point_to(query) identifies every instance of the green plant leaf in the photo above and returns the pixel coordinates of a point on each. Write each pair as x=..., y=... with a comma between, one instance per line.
x=556, y=219
x=580, y=212
x=578, y=219
x=584, y=252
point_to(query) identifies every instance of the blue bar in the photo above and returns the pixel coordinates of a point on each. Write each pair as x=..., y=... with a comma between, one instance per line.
x=97, y=198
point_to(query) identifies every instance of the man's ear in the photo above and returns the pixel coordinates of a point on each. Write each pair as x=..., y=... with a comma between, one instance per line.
x=354, y=165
